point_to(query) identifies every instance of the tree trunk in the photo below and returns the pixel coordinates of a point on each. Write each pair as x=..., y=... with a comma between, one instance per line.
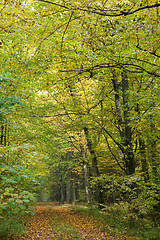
x=153, y=152
x=68, y=179
x=68, y=187
x=99, y=191
x=129, y=155
x=143, y=159
x=4, y=134
x=123, y=121
x=73, y=192
x=85, y=171
x=86, y=182
x=61, y=185
x=142, y=148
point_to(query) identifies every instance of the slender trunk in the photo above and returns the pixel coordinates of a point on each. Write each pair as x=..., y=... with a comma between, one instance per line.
x=5, y=134
x=154, y=156
x=142, y=148
x=99, y=194
x=68, y=178
x=2, y=133
x=68, y=187
x=143, y=159
x=92, y=152
x=85, y=171
x=73, y=192
x=123, y=121
x=118, y=106
x=61, y=185
x=153, y=140
x=129, y=155
x=86, y=182
x=113, y=192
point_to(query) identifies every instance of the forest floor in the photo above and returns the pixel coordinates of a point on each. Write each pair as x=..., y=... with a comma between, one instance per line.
x=59, y=222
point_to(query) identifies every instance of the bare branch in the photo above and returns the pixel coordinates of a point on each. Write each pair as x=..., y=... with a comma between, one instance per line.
x=102, y=12
x=144, y=50
x=67, y=25
x=137, y=68
x=140, y=9
x=113, y=154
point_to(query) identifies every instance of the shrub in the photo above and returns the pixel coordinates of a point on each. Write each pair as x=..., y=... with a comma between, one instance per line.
x=16, y=199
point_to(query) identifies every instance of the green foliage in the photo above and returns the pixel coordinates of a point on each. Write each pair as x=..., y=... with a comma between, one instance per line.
x=147, y=205
x=12, y=225
x=16, y=197
x=65, y=62
x=116, y=218
x=17, y=177
x=143, y=198
x=8, y=99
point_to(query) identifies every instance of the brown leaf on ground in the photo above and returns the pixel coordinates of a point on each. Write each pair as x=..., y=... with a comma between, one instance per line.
x=41, y=227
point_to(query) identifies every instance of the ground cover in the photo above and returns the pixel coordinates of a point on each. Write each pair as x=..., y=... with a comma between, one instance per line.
x=52, y=221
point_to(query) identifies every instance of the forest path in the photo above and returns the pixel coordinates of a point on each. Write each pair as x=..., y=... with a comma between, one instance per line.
x=58, y=223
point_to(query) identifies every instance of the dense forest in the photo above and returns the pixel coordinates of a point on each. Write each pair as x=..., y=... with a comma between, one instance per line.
x=80, y=105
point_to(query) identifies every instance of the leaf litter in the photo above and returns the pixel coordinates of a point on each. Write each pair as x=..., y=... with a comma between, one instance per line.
x=57, y=223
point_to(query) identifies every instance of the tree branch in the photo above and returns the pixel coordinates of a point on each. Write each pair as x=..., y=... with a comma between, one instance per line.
x=138, y=69
x=113, y=154
x=140, y=9
x=102, y=12
x=65, y=32
x=144, y=50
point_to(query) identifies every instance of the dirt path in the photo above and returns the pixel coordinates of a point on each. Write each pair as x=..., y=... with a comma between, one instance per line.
x=58, y=223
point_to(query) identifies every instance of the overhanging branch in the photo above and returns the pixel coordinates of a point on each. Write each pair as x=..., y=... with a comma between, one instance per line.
x=102, y=12
x=133, y=68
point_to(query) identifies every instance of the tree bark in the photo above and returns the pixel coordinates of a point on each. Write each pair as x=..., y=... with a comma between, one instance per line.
x=61, y=185
x=73, y=192
x=68, y=188
x=154, y=156
x=129, y=155
x=99, y=190
x=143, y=159
x=123, y=121
x=2, y=133
x=68, y=179
x=142, y=148
x=85, y=171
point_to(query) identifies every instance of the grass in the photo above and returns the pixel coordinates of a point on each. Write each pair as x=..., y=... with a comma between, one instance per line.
x=117, y=219
x=63, y=230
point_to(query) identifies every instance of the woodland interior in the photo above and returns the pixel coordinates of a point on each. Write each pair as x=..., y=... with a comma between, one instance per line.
x=80, y=111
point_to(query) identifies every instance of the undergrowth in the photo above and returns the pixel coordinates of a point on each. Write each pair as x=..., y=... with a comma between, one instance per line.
x=117, y=218
x=11, y=226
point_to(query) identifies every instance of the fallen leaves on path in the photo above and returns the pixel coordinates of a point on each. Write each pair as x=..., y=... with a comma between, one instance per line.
x=39, y=225
x=58, y=223
x=86, y=225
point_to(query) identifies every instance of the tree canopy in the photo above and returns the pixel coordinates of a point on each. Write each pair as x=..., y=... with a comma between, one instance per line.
x=79, y=104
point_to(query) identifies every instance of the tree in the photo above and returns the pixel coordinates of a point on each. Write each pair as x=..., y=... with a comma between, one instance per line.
x=107, y=44
x=88, y=72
